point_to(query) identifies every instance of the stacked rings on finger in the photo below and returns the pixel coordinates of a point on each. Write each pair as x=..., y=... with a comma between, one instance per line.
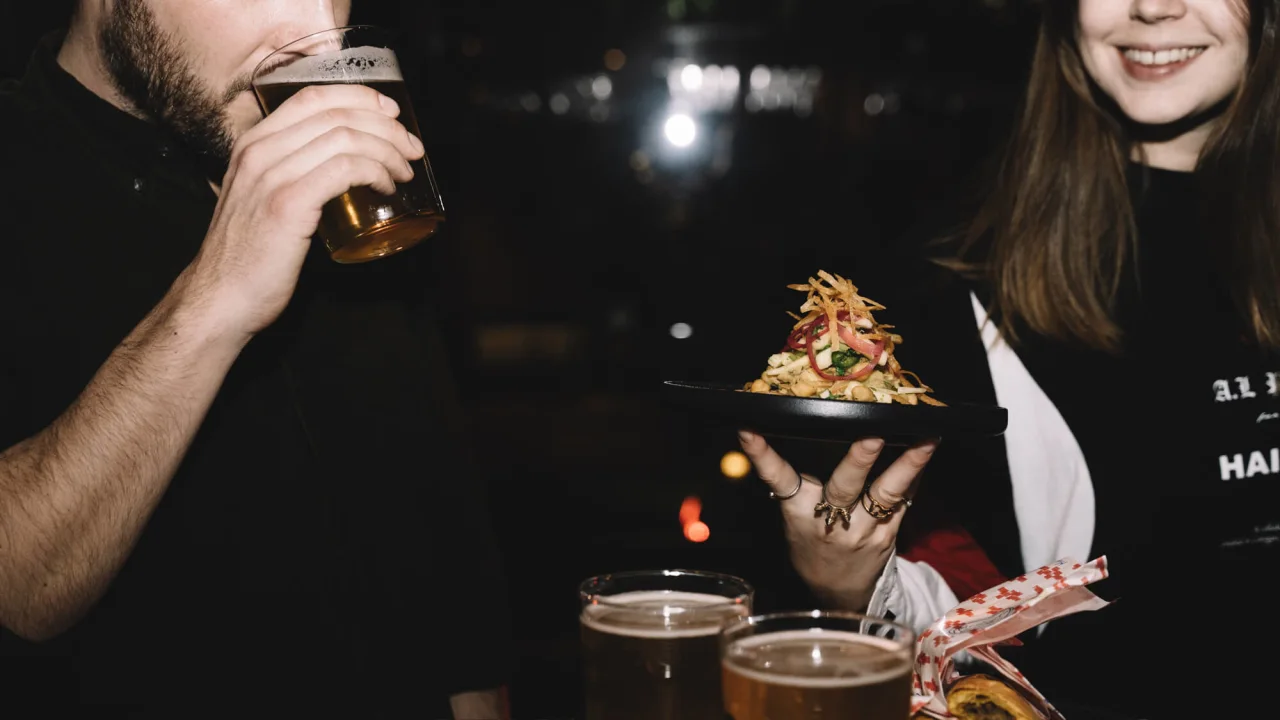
x=875, y=509
x=833, y=511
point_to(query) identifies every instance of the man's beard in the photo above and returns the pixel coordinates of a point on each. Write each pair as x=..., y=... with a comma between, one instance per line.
x=150, y=71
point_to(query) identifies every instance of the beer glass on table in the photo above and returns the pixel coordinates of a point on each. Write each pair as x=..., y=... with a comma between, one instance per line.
x=651, y=643
x=361, y=224
x=816, y=665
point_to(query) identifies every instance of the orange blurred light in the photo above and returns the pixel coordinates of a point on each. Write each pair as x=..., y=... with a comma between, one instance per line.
x=694, y=529
x=690, y=510
x=697, y=531
x=735, y=465
x=615, y=59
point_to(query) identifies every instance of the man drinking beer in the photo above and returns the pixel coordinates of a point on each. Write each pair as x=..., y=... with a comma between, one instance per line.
x=229, y=476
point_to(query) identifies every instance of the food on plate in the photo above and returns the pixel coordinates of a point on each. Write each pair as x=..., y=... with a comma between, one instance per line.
x=838, y=351
x=982, y=697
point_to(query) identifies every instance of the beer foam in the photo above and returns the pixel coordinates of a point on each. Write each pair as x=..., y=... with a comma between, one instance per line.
x=661, y=615
x=362, y=64
x=793, y=654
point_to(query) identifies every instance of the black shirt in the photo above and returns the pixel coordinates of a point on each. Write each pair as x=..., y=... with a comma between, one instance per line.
x=322, y=543
x=1180, y=435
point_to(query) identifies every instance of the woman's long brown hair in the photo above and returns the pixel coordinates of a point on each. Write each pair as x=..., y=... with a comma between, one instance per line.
x=1056, y=234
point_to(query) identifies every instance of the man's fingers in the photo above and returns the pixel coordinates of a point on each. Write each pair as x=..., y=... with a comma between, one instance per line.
x=339, y=141
x=257, y=157
x=315, y=99
x=330, y=179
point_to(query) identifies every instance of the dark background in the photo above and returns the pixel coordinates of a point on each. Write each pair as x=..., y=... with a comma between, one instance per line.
x=578, y=236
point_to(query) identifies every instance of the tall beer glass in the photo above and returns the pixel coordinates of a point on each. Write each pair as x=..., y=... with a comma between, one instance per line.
x=651, y=643
x=816, y=665
x=362, y=224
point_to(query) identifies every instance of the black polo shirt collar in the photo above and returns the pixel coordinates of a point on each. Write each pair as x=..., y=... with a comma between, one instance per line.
x=137, y=152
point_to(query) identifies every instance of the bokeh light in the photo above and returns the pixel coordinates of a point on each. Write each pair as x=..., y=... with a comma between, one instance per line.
x=680, y=130
x=735, y=465
x=694, y=529
x=697, y=531
x=614, y=59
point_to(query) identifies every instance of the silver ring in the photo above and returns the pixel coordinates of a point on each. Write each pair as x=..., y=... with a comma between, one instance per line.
x=833, y=511
x=799, y=483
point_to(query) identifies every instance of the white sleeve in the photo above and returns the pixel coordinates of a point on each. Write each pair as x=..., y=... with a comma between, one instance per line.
x=913, y=591
x=1052, y=490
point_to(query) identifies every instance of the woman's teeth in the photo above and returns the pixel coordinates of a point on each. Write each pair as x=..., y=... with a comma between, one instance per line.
x=1162, y=57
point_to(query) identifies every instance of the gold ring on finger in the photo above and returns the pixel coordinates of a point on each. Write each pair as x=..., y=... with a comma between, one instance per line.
x=875, y=509
x=833, y=511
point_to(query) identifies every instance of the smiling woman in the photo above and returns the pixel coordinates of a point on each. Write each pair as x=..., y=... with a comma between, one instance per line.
x=1136, y=206
x=1173, y=84
x=1163, y=62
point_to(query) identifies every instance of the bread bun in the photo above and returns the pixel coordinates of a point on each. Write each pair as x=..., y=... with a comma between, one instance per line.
x=982, y=697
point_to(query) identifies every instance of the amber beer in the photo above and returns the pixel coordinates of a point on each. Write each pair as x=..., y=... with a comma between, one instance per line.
x=816, y=674
x=363, y=224
x=655, y=655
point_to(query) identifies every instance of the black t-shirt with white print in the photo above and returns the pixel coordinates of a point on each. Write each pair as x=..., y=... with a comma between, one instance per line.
x=1181, y=435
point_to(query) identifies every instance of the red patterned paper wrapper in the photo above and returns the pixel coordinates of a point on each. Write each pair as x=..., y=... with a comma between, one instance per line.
x=997, y=616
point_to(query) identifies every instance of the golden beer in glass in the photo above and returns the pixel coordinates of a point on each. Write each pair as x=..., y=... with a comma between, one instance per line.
x=361, y=224
x=651, y=643
x=816, y=665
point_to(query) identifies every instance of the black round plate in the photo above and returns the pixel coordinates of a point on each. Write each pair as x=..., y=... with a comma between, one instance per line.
x=832, y=420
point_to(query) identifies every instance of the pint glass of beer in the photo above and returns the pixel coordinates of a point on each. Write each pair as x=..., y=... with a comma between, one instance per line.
x=651, y=643
x=362, y=224
x=816, y=665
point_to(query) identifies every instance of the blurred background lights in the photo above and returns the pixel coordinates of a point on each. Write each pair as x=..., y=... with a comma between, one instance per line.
x=735, y=465
x=680, y=130
x=602, y=87
x=614, y=59
x=702, y=89
x=691, y=78
x=713, y=76
x=690, y=509
x=690, y=520
x=697, y=531
x=729, y=79
x=760, y=77
x=681, y=331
